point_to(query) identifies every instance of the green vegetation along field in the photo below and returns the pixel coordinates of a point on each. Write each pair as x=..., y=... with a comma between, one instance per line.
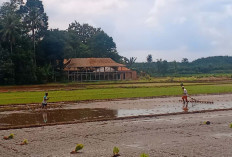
x=113, y=91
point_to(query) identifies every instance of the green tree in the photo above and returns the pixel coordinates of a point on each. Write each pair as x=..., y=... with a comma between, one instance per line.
x=25, y=70
x=9, y=23
x=131, y=61
x=162, y=66
x=185, y=60
x=51, y=53
x=149, y=58
x=83, y=32
x=87, y=41
x=6, y=67
x=75, y=48
x=101, y=45
x=175, y=66
x=35, y=20
x=159, y=65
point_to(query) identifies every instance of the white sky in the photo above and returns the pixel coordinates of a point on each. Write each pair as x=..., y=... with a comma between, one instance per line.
x=167, y=29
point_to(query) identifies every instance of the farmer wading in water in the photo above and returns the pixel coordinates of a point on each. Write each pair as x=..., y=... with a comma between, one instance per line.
x=44, y=102
x=184, y=97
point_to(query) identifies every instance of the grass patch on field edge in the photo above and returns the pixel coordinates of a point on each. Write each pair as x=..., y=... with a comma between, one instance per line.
x=109, y=93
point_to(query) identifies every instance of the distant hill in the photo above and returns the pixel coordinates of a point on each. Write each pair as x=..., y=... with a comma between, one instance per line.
x=208, y=65
x=219, y=60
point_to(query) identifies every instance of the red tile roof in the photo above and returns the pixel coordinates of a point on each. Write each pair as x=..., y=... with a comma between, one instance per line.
x=123, y=69
x=90, y=62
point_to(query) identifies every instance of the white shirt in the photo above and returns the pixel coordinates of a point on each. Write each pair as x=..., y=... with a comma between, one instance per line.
x=185, y=92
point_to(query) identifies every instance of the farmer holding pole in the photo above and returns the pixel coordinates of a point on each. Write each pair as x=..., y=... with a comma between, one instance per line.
x=185, y=95
x=184, y=98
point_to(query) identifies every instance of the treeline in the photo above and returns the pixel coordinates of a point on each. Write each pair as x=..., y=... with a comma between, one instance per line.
x=30, y=53
x=209, y=65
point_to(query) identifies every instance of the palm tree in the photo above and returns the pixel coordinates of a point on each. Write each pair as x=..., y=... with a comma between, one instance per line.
x=132, y=60
x=10, y=23
x=35, y=20
x=32, y=22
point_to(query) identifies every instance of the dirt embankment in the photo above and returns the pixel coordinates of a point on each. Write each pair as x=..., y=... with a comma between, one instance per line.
x=173, y=135
x=26, y=88
x=179, y=135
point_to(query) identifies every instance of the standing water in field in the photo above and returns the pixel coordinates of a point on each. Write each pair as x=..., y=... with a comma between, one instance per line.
x=82, y=112
x=45, y=117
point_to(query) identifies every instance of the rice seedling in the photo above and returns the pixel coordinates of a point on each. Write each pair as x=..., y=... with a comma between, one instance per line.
x=206, y=122
x=144, y=155
x=78, y=147
x=11, y=136
x=116, y=152
x=25, y=141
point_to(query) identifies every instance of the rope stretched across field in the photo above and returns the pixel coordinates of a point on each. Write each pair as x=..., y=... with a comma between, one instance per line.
x=198, y=101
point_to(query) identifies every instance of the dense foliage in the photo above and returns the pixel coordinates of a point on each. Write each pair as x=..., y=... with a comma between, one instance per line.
x=30, y=53
x=209, y=65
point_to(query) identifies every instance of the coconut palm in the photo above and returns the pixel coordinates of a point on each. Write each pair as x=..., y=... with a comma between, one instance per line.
x=10, y=24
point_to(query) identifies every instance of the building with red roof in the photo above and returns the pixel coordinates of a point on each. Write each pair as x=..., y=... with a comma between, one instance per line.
x=94, y=69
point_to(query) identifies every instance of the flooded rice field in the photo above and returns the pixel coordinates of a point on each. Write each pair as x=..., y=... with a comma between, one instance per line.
x=40, y=116
x=82, y=112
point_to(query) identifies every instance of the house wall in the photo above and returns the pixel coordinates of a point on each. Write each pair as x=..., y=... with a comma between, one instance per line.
x=128, y=75
x=91, y=76
x=134, y=75
x=107, y=69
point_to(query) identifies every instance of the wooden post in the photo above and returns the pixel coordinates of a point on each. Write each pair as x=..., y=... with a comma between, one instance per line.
x=99, y=75
x=86, y=73
x=77, y=76
x=104, y=73
x=68, y=75
x=109, y=75
x=95, y=74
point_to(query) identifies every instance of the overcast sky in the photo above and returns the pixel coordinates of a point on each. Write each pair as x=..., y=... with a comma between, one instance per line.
x=167, y=29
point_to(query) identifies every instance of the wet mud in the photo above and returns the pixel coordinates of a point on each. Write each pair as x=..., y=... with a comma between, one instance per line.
x=95, y=111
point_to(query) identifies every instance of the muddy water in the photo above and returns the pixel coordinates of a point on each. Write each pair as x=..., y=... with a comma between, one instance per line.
x=53, y=116
x=174, y=108
x=73, y=114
